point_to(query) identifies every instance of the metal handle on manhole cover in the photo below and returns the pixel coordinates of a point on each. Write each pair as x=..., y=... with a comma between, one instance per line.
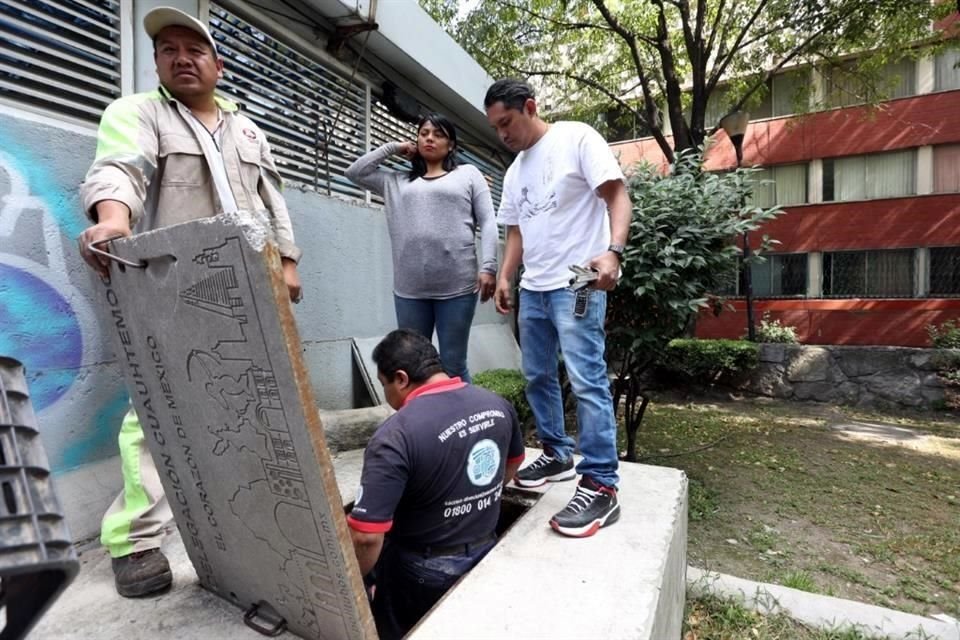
x=93, y=248
x=265, y=612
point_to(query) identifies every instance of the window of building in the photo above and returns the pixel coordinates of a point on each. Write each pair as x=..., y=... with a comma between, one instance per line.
x=718, y=105
x=947, y=70
x=784, y=92
x=946, y=168
x=60, y=56
x=780, y=186
x=780, y=275
x=789, y=89
x=869, y=274
x=847, y=85
x=944, y=271
x=879, y=175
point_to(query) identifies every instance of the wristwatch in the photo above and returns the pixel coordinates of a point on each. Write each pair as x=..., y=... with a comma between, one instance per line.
x=617, y=249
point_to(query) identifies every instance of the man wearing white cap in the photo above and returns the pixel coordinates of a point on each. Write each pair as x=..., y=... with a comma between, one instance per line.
x=167, y=156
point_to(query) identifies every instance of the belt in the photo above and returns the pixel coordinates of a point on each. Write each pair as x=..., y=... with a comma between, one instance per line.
x=430, y=551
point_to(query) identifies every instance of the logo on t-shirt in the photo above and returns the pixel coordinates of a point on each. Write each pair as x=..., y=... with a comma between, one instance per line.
x=530, y=209
x=483, y=463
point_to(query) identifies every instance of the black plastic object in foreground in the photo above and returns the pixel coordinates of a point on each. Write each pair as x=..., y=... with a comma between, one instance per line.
x=37, y=558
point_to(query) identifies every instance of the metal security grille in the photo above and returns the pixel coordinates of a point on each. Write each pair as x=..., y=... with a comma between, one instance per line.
x=869, y=274
x=384, y=128
x=295, y=100
x=945, y=271
x=61, y=56
x=489, y=168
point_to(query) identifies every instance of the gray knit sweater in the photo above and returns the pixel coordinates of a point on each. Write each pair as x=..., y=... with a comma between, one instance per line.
x=433, y=226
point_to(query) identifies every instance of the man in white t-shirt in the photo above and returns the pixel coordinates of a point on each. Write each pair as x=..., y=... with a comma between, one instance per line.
x=555, y=204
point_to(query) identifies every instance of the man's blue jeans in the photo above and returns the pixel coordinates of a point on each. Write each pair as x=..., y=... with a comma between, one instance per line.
x=451, y=317
x=547, y=328
x=409, y=583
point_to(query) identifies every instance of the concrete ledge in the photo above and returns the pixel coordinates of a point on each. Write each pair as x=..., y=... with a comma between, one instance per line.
x=352, y=428
x=641, y=560
x=820, y=611
x=582, y=585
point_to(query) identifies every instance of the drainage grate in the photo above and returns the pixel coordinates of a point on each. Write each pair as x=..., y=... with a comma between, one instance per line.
x=37, y=558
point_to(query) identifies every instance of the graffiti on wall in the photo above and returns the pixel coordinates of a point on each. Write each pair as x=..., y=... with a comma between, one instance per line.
x=47, y=320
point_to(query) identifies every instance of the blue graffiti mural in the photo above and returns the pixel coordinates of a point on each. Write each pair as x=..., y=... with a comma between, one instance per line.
x=46, y=304
x=42, y=183
x=97, y=443
x=40, y=330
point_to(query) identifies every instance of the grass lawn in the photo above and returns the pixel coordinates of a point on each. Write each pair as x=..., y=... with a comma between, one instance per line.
x=786, y=496
x=713, y=619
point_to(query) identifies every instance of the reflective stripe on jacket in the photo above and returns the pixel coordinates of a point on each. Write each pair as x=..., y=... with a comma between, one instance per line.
x=149, y=158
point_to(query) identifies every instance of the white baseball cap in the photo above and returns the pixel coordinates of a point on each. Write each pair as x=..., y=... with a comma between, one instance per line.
x=163, y=17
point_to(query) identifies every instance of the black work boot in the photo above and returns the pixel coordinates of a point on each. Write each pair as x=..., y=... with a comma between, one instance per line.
x=141, y=573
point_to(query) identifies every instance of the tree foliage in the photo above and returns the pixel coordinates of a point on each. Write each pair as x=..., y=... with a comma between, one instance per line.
x=662, y=59
x=679, y=251
x=444, y=12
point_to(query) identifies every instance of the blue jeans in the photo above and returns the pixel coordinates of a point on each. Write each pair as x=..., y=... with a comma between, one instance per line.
x=409, y=583
x=547, y=328
x=451, y=317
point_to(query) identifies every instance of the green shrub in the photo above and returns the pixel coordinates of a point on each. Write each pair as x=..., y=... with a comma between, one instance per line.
x=947, y=364
x=707, y=360
x=944, y=336
x=773, y=331
x=510, y=385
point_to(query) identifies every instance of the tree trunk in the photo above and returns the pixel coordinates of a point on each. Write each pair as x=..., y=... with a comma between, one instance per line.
x=633, y=426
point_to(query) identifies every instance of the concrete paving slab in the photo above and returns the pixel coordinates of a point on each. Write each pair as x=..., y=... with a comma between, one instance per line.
x=538, y=584
x=90, y=608
x=205, y=334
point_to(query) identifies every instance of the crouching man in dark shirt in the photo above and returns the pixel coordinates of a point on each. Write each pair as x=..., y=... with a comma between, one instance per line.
x=429, y=498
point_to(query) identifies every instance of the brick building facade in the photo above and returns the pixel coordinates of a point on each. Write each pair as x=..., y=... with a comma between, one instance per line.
x=869, y=247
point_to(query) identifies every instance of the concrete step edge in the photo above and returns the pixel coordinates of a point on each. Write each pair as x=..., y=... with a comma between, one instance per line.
x=820, y=611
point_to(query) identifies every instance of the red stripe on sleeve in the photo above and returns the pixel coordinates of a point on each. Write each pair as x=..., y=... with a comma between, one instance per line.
x=518, y=458
x=369, y=527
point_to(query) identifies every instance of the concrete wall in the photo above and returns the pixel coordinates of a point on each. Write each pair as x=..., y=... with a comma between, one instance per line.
x=348, y=288
x=48, y=317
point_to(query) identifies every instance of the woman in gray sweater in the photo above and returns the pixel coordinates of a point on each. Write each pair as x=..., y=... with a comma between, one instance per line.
x=433, y=214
